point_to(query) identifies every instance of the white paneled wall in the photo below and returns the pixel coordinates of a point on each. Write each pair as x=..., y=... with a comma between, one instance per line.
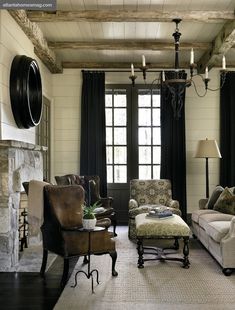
x=14, y=42
x=202, y=121
x=67, y=109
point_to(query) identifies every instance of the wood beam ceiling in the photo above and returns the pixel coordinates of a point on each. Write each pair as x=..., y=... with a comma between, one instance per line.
x=117, y=65
x=130, y=16
x=126, y=45
x=35, y=34
x=220, y=46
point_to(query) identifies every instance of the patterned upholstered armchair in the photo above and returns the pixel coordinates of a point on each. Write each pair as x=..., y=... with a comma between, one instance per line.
x=146, y=193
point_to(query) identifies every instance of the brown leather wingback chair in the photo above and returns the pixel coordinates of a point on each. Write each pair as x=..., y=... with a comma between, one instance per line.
x=62, y=218
x=93, y=194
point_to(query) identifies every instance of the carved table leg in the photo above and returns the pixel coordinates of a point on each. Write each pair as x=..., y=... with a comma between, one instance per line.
x=140, y=253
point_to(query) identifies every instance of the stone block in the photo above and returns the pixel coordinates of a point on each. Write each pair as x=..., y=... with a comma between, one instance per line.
x=4, y=184
x=4, y=220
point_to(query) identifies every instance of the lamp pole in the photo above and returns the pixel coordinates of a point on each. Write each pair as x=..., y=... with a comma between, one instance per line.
x=207, y=178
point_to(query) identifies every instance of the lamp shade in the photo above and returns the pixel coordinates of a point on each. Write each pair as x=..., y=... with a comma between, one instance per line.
x=207, y=149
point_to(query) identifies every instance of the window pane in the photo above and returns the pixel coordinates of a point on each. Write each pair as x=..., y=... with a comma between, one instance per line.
x=145, y=172
x=144, y=100
x=144, y=117
x=120, y=136
x=109, y=174
x=156, y=100
x=145, y=136
x=119, y=117
x=108, y=117
x=109, y=136
x=109, y=155
x=156, y=172
x=156, y=117
x=156, y=136
x=144, y=155
x=120, y=174
x=108, y=100
x=120, y=155
x=120, y=100
x=156, y=155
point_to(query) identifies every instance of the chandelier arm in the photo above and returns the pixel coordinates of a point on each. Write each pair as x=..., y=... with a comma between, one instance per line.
x=222, y=84
x=157, y=79
x=195, y=88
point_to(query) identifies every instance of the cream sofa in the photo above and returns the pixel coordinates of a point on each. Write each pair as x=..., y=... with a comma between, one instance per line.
x=216, y=231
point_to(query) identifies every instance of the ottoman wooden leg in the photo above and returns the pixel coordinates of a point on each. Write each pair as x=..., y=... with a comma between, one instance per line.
x=186, y=253
x=176, y=244
x=140, y=253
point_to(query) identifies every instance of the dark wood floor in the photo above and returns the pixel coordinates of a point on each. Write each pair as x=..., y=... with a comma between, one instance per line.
x=27, y=290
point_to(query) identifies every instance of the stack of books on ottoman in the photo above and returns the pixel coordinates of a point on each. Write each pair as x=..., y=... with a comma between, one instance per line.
x=160, y=212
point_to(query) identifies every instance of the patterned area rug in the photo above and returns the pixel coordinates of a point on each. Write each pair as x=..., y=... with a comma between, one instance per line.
x=160, y=285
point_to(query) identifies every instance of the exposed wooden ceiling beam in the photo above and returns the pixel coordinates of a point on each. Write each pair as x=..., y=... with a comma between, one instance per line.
x=130, y=16
x=126, y=45
x=35, y=34
x=220, y=46
x=117, y=65
x=126, y=65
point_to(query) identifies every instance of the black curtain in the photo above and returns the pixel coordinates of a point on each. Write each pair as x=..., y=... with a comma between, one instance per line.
x=227, y=130
x=93, y=144
x=173, y=154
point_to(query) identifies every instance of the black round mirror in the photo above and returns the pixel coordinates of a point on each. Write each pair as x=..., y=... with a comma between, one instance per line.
x=25, y=91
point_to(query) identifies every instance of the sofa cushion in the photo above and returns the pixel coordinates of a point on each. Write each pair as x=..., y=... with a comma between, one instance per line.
x=207, y=218
x=197, y=213
x=218, y=229
x=226, y=202
x=214, y=196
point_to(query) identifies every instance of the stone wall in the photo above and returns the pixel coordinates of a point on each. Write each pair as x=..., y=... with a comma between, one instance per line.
x=19, y=162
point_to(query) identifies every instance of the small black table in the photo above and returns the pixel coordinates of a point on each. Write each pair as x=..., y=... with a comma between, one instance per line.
x=89, y=273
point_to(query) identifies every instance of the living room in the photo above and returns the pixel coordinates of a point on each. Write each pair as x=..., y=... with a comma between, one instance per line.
x=33, y=34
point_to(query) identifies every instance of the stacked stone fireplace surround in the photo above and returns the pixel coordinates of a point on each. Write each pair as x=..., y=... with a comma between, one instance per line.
x=19, y=162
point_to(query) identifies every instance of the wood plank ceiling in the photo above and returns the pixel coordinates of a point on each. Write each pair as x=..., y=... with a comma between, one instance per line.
x=115, y=33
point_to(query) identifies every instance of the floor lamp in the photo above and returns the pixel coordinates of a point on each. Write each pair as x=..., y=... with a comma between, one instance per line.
x=207, y=149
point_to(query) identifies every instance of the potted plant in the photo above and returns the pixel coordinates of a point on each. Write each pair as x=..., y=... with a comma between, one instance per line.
x=89, y=219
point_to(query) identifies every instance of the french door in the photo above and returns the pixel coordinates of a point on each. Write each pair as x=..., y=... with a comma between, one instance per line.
x=132, y=140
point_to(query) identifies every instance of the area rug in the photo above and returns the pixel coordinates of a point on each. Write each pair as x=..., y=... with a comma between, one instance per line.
x=160, y=285
x=31, y=259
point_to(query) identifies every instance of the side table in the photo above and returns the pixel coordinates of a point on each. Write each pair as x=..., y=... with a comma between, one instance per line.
x=89, y=273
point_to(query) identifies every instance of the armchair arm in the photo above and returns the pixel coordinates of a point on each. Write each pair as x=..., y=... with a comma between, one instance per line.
x=173, y=204
x=132, y=204
x=106, y=202
x=202, y=203
x=139, y=210
x=231, y=232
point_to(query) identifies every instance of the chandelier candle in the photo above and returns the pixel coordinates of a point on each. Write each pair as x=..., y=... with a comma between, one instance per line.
x=223, y=63
x=132, y=70
x=143, y=61
x=192, y=57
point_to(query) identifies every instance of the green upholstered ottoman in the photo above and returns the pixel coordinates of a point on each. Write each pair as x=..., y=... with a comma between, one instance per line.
x=154, y=228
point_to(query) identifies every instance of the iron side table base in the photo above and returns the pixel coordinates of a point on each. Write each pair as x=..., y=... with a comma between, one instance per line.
x=89, y=274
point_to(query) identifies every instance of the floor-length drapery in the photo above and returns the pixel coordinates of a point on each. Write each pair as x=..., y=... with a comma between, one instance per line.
x=93, y=138
x=227, y=131
x=173, y=153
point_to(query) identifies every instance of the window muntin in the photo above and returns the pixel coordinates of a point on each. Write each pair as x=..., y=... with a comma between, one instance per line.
x=146, y=117
x=116, y=135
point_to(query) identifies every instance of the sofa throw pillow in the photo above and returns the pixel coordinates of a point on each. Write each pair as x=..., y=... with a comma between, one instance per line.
x=226, y=202
x=214, y=197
